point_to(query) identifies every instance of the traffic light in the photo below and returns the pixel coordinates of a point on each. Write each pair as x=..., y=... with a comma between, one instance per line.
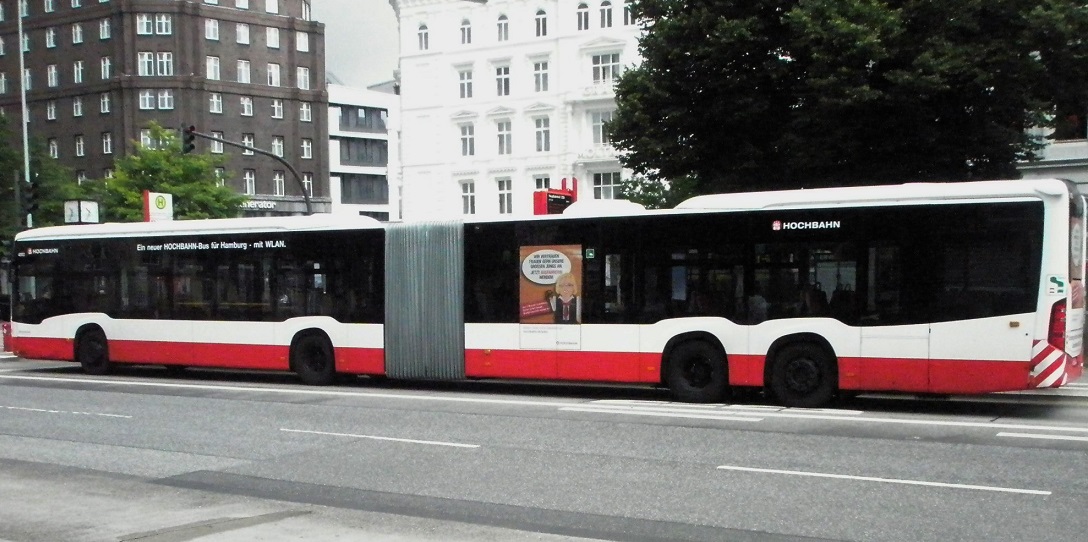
x=190, y=140
x=29, y=195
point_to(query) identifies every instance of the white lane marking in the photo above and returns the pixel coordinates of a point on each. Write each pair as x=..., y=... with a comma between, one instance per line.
x=626, y=403
x=391, y=439
x=294, y=391
x=802, y=415
x=1043, y=437
x=51, y=411
x=660, y=413
x=886, y=480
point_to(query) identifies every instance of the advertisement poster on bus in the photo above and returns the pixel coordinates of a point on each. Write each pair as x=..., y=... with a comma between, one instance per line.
x=551, y=296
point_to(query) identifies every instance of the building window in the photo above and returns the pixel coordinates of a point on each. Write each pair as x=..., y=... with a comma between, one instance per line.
x=541, y=23
x=77, y=71
x=468, y=197
x=144, y=26
x=308, y=183
x=50, y=39
x=166, y=63
x=28, y=81
x=272, y=37
x=215, y=102
x=302, y=42
x=241, y=33
x=104, y=103
x=277, y=108
x=77, y=106
x=465, y=77
x=583, y=17
x=107, y=173
x=49, y=6
x=606, y=14
x=307, y=148
x=540, y=76
x=466, y=32
x=220, y=176
x=145, y=139
x=606, y=185
x=2, y=53
x=628, y=16
x=502, y=81
x=243, y=71
x=542, y=182
x=81, y=176
x=247, y=140
x=307, y=12
x=104, y=29
x=3, y=83
x=305, y=112
x=107, y=143
x=147, y=99
x=302, y=77
x=543, y=134
x=241, y=4
x=211, y=29
x=606, y=68
x=164, y=24
x=468, y=140
x=250, y=179
x=166, y=99
x=505, y=136
x=277, y=182
x=277, y=146
x=599, y=126
x=51, y=77
x=50, y=110
x=77, y=33
x=54, y=148
x=272, y=6
x=211, y=67
x=423, y=38
x=217, y=146
x=26, y=42
x=105, y=64
x=273, y=75
x=145, y=63
x=506, y=195
x=503, y=27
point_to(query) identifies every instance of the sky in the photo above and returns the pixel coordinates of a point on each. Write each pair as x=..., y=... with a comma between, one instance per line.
x=360, y=40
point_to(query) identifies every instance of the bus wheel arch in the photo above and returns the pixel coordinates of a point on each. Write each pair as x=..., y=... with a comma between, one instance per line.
x=802, y=371
x=312, y=357
x=91, y=350
x=694, y=367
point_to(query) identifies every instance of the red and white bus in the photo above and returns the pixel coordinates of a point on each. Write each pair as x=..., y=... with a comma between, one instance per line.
x=928, y=288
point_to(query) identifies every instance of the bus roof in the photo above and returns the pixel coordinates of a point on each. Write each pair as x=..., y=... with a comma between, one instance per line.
x=899, y=194
x=316, y=222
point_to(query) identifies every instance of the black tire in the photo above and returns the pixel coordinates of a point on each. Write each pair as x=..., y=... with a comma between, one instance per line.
x=696, y=373
x=92, y=352
x=804, y=375
x=312, y=359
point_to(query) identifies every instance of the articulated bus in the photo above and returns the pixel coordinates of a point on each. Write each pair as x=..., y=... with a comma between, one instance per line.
x=947, y=288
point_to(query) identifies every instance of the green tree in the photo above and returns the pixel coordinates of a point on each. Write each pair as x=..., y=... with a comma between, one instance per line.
x=54, y=182
x=190, y=178
x=767, y=94
x=657, y=194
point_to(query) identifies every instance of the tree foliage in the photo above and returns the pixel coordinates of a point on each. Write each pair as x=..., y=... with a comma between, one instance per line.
x=767, y=94
x=190, y=178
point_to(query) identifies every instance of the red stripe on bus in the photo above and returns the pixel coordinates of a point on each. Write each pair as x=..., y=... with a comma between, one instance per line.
x=855, y=373
x=564, y=365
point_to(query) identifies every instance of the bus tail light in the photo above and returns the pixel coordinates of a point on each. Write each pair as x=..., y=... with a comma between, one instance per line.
x=1056, y=333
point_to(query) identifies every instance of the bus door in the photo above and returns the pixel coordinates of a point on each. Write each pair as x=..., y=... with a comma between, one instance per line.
x=894, y=351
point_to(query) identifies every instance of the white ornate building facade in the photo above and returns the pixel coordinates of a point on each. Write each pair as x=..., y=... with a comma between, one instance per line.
x=501, y=98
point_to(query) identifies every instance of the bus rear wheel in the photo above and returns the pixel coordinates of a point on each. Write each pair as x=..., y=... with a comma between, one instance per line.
x=695, y=373
x=312, y=358
x=804, y=375
x=92, y=352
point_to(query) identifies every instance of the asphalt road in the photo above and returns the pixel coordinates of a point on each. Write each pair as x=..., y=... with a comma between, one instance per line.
x=213, y=456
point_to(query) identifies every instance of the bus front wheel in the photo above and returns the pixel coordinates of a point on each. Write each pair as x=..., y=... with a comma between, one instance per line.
x=312, y=358
x=695, y=373
x=804, y=375
x=92, y=352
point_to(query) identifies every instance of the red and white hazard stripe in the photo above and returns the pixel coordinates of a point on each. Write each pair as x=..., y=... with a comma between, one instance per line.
x=1047, y=365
